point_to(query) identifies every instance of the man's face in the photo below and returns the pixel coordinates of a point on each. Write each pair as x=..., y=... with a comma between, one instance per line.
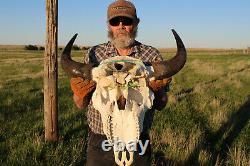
x=122, y=31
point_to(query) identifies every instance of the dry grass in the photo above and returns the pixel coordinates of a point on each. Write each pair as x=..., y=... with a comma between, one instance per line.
x=204, y=157
x=238, y=64
x=181, y=147
x=238, y=156
x=24, y=76
x=20, y=60
x=206, y=68
x=11, y=47
x=219, y=118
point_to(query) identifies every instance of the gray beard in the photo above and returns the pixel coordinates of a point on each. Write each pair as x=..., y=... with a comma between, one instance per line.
x=123, y=41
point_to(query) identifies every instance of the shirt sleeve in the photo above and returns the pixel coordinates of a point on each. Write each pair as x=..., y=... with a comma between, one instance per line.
x=91, y=56
x=158, y=56
x=86, y=56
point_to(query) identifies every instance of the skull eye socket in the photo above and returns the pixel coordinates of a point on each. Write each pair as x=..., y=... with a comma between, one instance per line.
x=118, y=66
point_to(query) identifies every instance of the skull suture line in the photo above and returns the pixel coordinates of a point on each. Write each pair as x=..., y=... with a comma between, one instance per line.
x=127, y=77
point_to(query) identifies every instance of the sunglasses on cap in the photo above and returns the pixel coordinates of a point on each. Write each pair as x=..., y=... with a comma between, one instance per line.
x=124, y=20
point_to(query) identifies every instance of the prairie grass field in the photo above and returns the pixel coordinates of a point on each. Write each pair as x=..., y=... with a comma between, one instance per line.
x=206, y=121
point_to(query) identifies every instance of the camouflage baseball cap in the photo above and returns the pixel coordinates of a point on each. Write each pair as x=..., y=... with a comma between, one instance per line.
x=121, y=8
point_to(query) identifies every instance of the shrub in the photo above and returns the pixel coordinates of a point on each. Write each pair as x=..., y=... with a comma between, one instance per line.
x=75, y=47
x=31, y=47
x=41, y=48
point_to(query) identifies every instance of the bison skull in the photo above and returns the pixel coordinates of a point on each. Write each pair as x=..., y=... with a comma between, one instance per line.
x=122, y=96
x=122, y=77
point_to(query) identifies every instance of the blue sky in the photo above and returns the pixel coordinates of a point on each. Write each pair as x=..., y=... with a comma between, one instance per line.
x=200, y=23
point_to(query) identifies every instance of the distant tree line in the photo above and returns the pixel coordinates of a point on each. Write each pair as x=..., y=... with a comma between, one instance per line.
x=35, y=47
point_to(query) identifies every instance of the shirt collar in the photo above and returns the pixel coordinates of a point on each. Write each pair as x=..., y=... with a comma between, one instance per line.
x=110, y=49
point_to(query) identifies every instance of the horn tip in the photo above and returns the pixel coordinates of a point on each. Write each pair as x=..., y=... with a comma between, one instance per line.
x=74, y=37
x=174, y=32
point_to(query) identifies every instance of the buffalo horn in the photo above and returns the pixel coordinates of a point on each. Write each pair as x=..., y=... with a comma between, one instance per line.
x=168, y=68
x=71, y=67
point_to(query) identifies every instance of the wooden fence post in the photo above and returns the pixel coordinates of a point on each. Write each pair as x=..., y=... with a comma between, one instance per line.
x=51, y=72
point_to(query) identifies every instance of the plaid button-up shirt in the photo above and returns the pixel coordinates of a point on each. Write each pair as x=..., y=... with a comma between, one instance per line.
x=103, y=51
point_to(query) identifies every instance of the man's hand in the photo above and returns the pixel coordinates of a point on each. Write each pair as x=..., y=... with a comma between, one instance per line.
x=156, y=85
x=81, y=89
x=161, y=98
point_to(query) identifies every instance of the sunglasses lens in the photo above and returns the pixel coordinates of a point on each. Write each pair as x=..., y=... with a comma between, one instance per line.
x=114, y=22
x=125, y=21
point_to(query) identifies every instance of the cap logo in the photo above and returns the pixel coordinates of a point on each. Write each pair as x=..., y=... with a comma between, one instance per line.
x=121, y=7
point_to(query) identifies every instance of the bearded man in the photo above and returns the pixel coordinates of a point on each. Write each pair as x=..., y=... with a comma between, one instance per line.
x=122, y=22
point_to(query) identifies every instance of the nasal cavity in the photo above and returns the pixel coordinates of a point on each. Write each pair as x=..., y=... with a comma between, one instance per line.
x=121, y=102
x=118, y=66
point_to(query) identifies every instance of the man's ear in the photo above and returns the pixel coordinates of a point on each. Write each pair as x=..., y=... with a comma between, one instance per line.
x=137, y=21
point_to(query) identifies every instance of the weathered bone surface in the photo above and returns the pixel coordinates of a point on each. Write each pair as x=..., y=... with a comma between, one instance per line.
x=127, y=77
